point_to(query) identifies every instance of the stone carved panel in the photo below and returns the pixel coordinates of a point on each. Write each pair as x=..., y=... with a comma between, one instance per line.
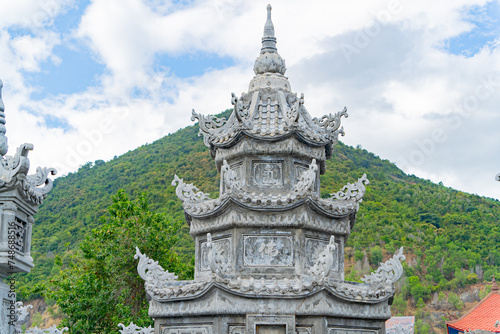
x=298, y=170
x=192, y=329
x=351, y=331
x=270, y=324
x=262, y=250
x=267, y=174
x=236, y=330
x=314, y=247
x=223, y=247
x=304, y=330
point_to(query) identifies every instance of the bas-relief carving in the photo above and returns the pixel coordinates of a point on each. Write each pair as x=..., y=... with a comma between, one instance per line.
x=261, y=250
x=314, y=247
x=222, y=247
x=267, y=174
x=191, y=329
x=237, y=330
x=304, y=330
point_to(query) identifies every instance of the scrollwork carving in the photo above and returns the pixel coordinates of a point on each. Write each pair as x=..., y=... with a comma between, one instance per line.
x=389, y=272
x=354, y=191
x=134, y=329
x=325, y=260
x=230, y=178
x=216, y=260
x=307, y=179
x=188, y=192
x=51, y=330
x=331, y=122
x=150, y=270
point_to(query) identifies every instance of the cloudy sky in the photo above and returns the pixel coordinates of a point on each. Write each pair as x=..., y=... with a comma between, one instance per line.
x=87, y=80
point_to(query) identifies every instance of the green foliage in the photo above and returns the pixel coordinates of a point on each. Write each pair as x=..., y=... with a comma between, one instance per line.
x=376, y=255
x=455, y=301
x=358, y=255
x=422, y=327
x=100, y=287
x=399, y=305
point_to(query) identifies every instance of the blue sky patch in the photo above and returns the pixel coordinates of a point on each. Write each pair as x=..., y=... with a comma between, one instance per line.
x=76, y=71
x=189, y=65
x=486, y=20
x=53, y=122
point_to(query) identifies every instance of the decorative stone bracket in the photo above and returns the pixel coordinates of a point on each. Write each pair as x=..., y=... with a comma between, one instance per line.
x=151, y=271
x=354, y=191
x=188, y=192
x=389, y=272
x=216, y=259
x=324, y=263
x=51, y=330
x=134, y=329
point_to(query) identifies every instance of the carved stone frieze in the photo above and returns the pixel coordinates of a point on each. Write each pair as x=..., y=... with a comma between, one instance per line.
x=50, y=330
x=217, y=301
x=299, y=216
x=389, y=272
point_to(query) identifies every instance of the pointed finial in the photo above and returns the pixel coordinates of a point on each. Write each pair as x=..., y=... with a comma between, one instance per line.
x=3, y=140
x=494, y=286
x=268, y=40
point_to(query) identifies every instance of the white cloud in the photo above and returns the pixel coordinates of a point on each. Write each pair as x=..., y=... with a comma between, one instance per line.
x=385, y=60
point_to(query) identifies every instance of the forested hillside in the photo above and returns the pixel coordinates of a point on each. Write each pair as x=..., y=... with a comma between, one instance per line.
x=451, y=237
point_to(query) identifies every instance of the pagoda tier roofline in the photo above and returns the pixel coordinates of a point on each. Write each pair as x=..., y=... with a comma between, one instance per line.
x=342, y=203
x=162, y=286
x=270, y=115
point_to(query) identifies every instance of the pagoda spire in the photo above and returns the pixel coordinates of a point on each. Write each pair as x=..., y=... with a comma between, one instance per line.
x=268, y=40
x=3, y=140
x=269, y=61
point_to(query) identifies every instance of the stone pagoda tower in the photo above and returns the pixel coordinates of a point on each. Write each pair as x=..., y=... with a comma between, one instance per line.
x=270, y=250
x=20, y=196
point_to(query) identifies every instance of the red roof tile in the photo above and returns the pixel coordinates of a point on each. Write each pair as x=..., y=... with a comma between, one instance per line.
x=482, y=316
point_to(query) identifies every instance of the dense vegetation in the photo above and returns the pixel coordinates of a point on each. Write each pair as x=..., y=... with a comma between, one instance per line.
x=451, y=238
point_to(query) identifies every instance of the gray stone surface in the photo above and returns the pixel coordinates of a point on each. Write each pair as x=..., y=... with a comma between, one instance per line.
x=269, y=252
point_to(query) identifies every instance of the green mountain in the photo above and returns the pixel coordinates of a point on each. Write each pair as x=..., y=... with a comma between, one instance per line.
x=450, y=237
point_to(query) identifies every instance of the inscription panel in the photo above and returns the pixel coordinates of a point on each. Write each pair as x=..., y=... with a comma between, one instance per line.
x=351, y=331
x=270, y=251
x=207, y=329
x=267, y=174
x=314, y=247
x=237, y=330
x=223, y=247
